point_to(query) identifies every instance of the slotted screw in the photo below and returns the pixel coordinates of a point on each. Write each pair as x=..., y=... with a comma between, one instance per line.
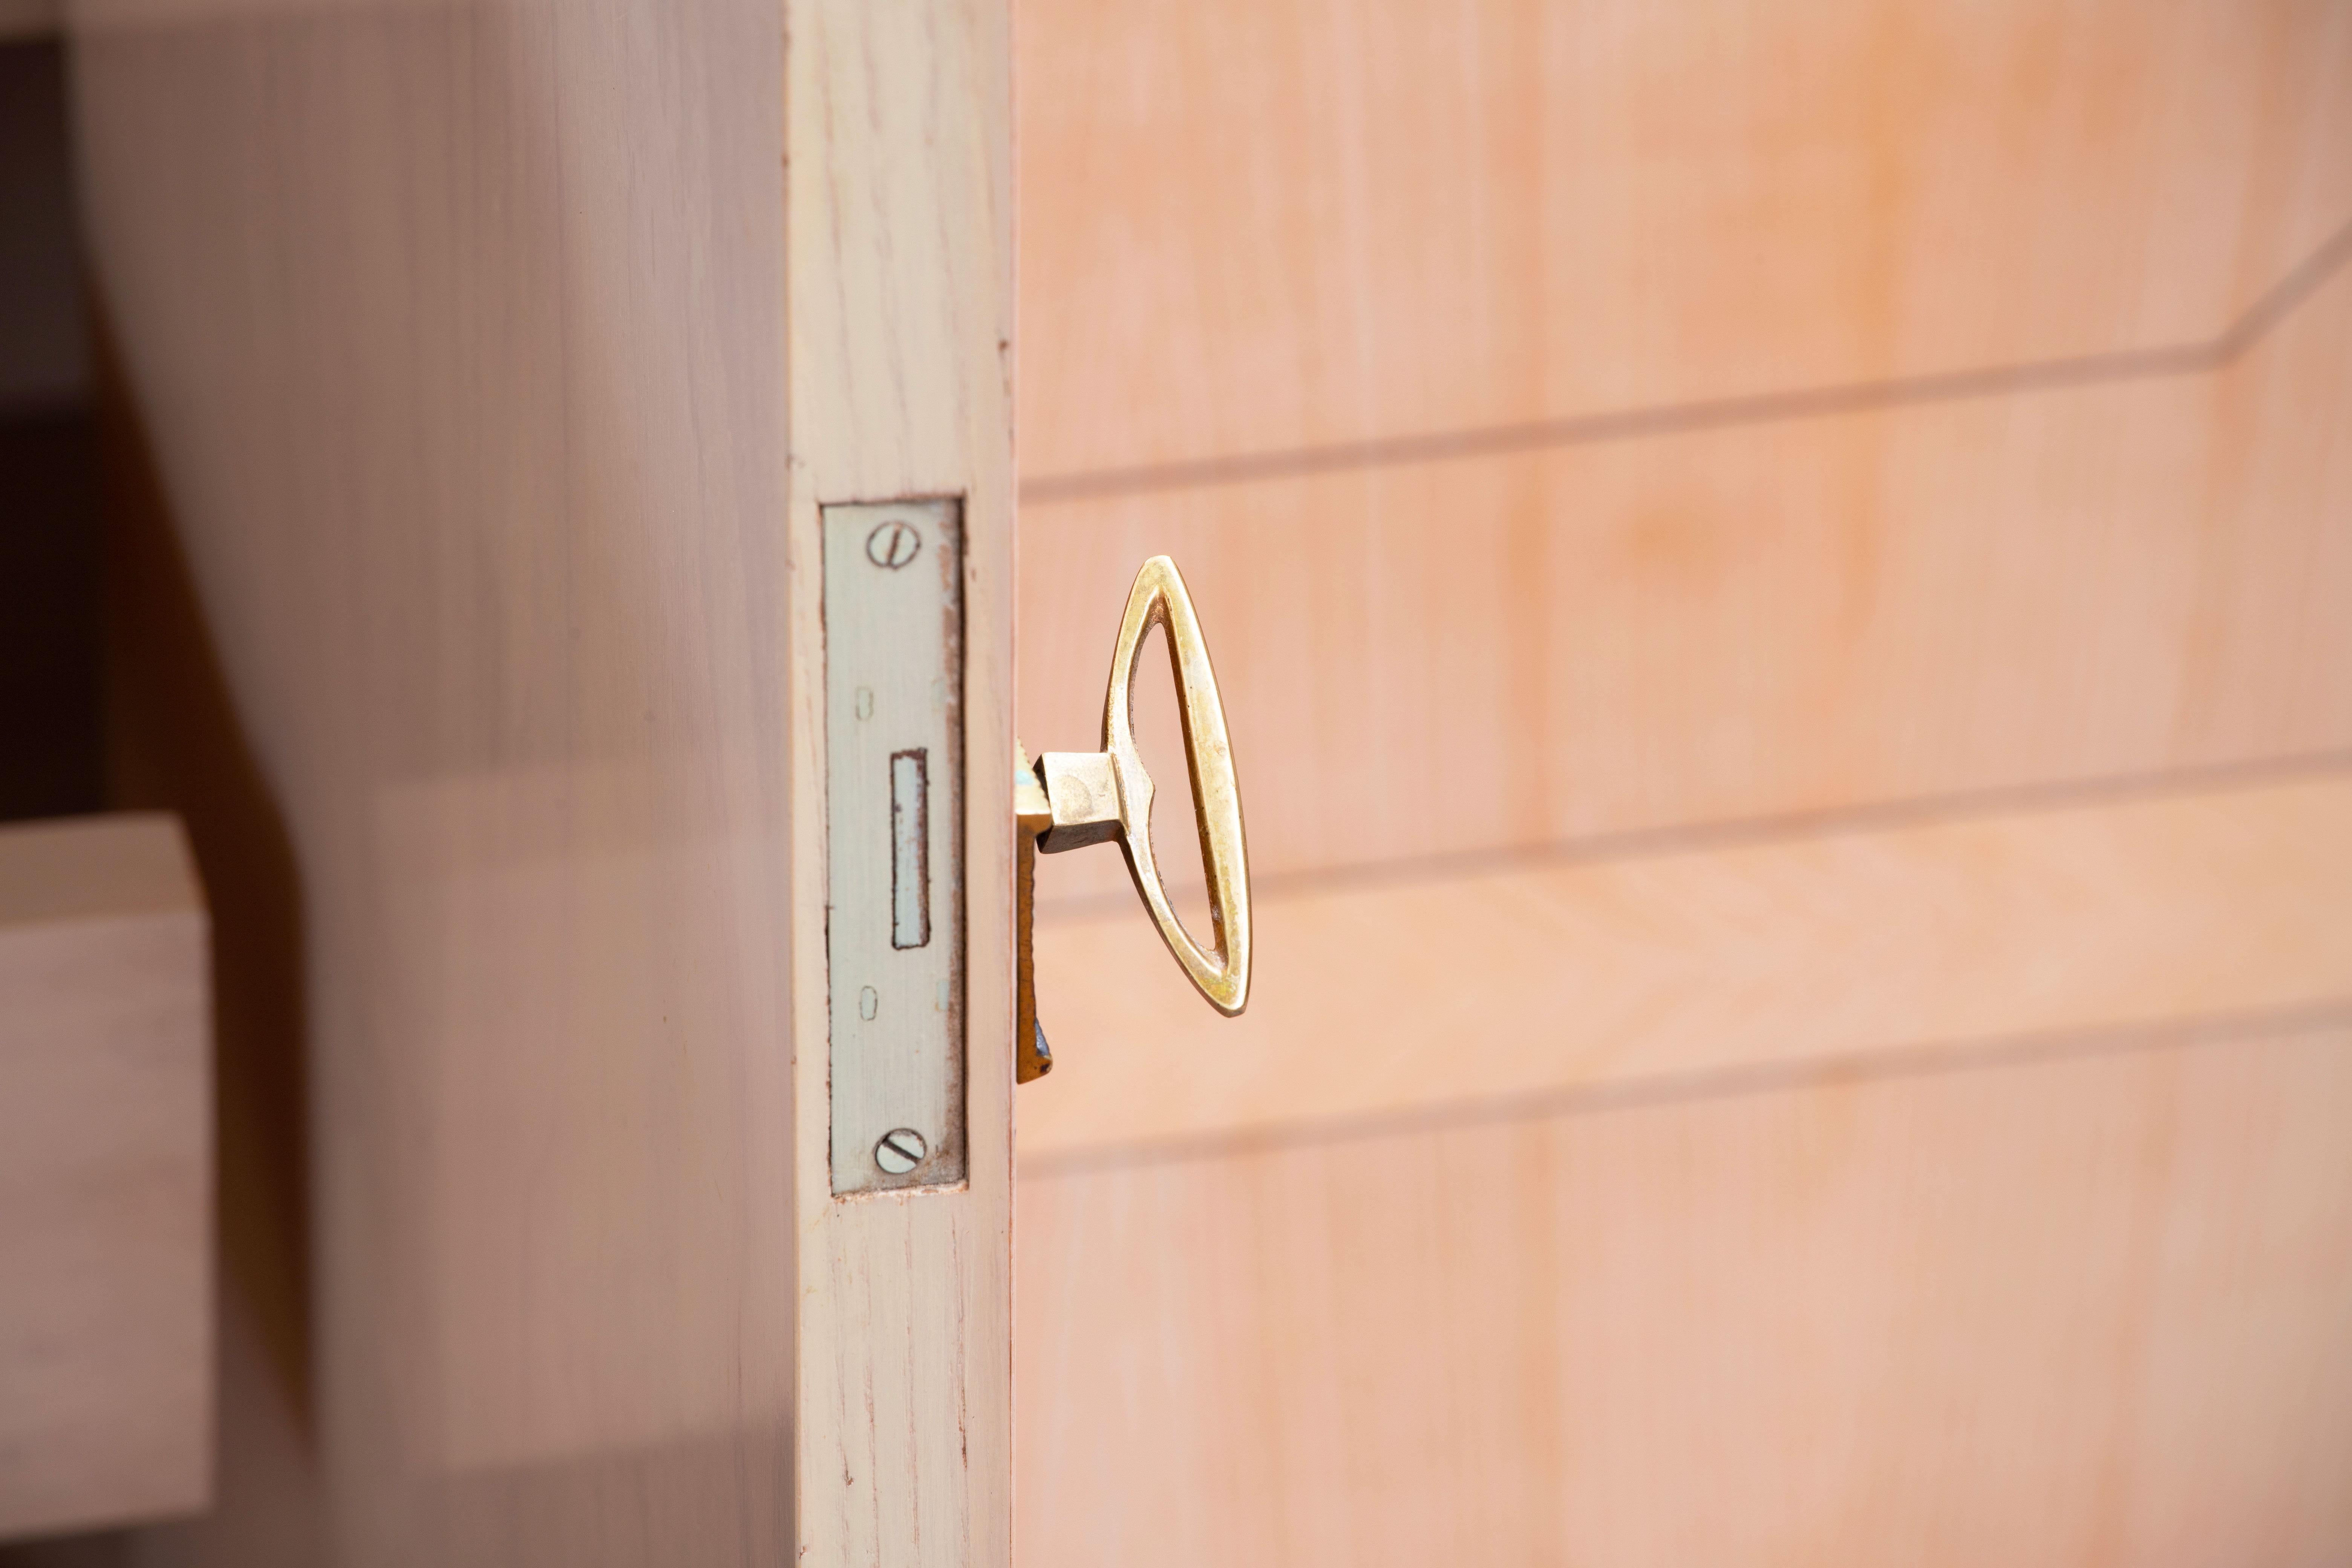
x=901, y=1149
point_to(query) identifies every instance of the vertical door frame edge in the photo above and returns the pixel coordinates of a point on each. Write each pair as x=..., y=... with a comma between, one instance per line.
x=898, y=326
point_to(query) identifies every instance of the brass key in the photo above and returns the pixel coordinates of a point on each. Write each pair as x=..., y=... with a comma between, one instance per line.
x=1071, y=799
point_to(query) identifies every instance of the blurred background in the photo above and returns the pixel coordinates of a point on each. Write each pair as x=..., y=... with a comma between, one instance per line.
x=1781, y=577
x=53, y=763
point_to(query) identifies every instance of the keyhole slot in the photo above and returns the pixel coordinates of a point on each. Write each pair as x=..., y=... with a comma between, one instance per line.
x=911, y=852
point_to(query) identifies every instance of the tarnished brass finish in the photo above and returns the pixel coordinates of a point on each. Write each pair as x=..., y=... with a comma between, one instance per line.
x=1083, y=794
x=1032, y=815
x=1071, y=799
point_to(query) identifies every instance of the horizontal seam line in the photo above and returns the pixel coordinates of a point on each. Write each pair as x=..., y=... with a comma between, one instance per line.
x=1925, y=1059
x=2122, y=365
x=1919, y=811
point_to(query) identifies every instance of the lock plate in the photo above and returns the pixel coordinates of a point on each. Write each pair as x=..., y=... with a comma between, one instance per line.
x=894, y=843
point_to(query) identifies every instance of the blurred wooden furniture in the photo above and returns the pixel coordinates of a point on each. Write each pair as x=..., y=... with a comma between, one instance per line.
x=106, y=1398
x=1780, y=577
x=494, y=361
x=30, y=18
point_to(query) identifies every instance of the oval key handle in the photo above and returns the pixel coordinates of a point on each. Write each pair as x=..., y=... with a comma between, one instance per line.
x=1094, y=795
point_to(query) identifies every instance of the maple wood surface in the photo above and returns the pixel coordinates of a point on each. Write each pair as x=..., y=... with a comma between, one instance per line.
x=494, y=359
x=106, y=1159
x=468, y=336
x=1470, y=990
x=900, y=270
x=463, y=486
x=1730, y=624
x=2053, y=1313
x=1251, y=227
x=1778, y=578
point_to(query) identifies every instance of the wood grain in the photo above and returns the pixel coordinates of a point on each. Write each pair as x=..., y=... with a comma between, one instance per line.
x=2052, y=1313
x=106, y=1160
x=495, y=359
x=1251, y=227
x=899, y=324
x=460, y=365
x=1776, y=572
x=1973, y=1181
x=1470, y=990
x=1728, y=624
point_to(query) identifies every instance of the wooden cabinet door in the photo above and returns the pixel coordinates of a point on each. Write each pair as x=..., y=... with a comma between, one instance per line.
x=493, y=367
x=1782, y=576
x=1778, y=577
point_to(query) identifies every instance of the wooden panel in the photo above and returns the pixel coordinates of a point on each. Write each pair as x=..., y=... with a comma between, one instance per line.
x=492, y=421
x=1254, y=227
x=1595, y=428
x=106, y=1395
x=1974, y=1182
x=464, y=391
x=1705, y=962
x=900, y=327
x=2076, y=1311
x=1751, y=621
